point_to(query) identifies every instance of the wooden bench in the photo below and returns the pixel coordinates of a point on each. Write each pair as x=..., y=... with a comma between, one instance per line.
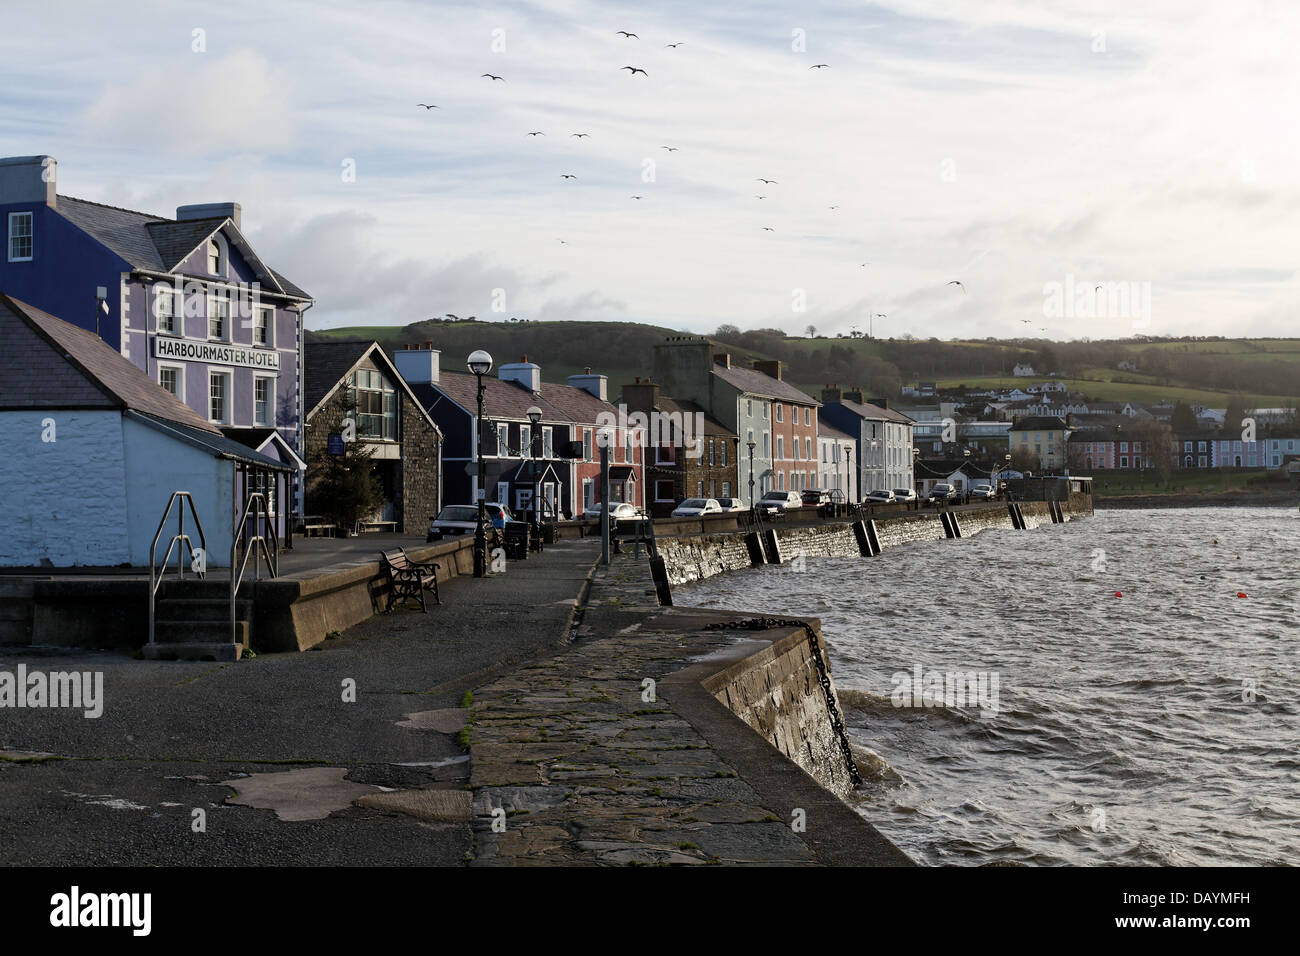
x=408, y=580
x=379, y=526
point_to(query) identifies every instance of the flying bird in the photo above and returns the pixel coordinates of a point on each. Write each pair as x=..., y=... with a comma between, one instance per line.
x=671, y=149
x=865, y=264
x=567, y=176
x=635, y=70
x=819, y=66
x=636, y=197
x=768, y=229
x=771, y=181
x=674, y=45
x=760, y=197
x=429, y=106
x=580, y=135
x=538, y=133
x=493, y=76
x=957, y=284
x=628, y=35
x=834, y=207
x=562, y=242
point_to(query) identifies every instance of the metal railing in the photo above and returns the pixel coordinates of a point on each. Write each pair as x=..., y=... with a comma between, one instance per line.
x=254, y=544
x=198, y=559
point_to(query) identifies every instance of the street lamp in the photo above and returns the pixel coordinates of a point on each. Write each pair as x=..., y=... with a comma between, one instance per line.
x=535, y=415
x=753, y=505
x=480, y=363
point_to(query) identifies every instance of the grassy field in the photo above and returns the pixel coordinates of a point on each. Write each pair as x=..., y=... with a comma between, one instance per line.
x=1193, y=480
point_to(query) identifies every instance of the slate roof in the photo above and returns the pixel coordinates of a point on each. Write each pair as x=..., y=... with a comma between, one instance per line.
x=152, y=243
x=712, y=427
x=876, y=413
x=753, y=382
x=1041, y=423
x=216, y=444
x=500, y=399
x=49, y=363
x=826, y=430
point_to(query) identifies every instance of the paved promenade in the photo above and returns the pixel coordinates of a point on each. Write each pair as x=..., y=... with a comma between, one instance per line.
x=351, y=754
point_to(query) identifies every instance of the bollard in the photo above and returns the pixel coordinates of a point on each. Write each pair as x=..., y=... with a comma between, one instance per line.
x=659, y=572
x=754, y=545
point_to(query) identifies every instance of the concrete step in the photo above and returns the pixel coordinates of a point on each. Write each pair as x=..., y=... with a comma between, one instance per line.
x=201, y=609
x=197, y=651
x=200, y=632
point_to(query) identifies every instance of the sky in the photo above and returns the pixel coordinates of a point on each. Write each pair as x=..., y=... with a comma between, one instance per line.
x=1030, y=151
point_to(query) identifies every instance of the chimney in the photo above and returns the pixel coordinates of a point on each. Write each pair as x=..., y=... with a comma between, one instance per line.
x=722, y=358
x=879, y=402
x=28, y=179
x=595, y=384
x=419, y=366
x=832, y=394
x=524, y=373
x=641, y=397
x=770, y=367
x=853, y=396
x=211, y=210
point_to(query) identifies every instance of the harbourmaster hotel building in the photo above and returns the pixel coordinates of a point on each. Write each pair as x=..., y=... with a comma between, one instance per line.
x=187, y=300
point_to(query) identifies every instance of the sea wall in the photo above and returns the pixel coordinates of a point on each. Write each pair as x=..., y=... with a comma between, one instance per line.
x=681, y=559
x=778, y=692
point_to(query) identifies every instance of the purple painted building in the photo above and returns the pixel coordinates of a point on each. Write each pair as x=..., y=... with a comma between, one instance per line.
x=187, y=300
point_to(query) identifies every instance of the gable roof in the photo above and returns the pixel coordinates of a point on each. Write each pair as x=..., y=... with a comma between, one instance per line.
x=49, y=363
x=157, y=244
x=501, y=399
x=327, y=364
x=753, y=382
x=1042, y=423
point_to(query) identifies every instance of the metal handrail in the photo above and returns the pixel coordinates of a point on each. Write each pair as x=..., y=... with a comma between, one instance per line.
x=155, y=581
x=256, y=547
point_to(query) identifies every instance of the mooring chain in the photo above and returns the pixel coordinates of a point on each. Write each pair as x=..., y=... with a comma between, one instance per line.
x=837, y=722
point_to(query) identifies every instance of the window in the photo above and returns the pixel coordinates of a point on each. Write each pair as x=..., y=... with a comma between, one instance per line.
x=503, y=441
x=586, y=444
x=548, y=442
x=214, y=258
x=629, y=438
x=712, y=489
x=376, y=404
x=1123, y=462
x=1123, y=446
x=20, y=237
x=218, y=318
x=218, y=392
x=664, y=491
x=699, y=489
x=726, y=489
x=807, y=448
x=1200, y=461
x=780, y=481
x=525, y=441
x=749, y=407
x=665, y=454
x=723, y=445
x=767, y=444
x=780, y=447
x=164, y=308
x=263, y=401
x=711, y=455
x=172, y=378
x=807, y=416
x=780, y=412
x=263, y=325
x=765, y=409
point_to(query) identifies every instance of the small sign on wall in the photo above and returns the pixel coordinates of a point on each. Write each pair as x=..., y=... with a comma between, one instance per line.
x=334, y=445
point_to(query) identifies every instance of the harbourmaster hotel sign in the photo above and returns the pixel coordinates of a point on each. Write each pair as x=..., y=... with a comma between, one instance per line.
x=193, y=350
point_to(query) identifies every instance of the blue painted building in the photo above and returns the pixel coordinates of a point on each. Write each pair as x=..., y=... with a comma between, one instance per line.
x=186, y=300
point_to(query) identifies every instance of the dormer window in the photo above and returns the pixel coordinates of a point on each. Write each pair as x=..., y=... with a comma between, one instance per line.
x=20, y=237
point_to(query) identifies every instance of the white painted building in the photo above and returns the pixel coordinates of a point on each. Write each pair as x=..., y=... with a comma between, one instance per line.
x=96, y=448
x=837, y=455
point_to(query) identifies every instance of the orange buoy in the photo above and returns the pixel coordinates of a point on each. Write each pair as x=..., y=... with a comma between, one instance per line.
x=1118, y=594
x=1241, y=594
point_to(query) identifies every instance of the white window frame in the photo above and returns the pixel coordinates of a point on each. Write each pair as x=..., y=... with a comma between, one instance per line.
x=525, y=441
x=780, y=412
x=213, y=300
x=268, y=311
x=223, y=255
x=503, y=440
x=163, y=292
x=270, y=400
x=180, y=378
x=227, y=396
x=30, y=237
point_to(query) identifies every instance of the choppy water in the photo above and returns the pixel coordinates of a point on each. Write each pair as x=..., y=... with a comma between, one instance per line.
x=1124, y=731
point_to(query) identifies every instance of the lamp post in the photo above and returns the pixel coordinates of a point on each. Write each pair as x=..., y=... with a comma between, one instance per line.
x=535, y=415
x=480, y=363
x=753, y=505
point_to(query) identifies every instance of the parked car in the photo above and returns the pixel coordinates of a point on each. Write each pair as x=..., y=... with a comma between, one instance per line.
x=618, y=511
x=454, y=520
x=779, y=501
x=904, y=494
x=983, y=492
x=943, y=492
x=882, y=496
x=694, y=507
x=814, y=498
x=732, y=504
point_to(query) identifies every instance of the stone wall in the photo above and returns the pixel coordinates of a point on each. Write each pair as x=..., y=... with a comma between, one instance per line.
x=819, y=541
x=778, y=693
x=904, y=529
x=973, y=523
x=695, y=557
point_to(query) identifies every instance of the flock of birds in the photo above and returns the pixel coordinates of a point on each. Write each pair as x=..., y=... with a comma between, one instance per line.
x=632, y=72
